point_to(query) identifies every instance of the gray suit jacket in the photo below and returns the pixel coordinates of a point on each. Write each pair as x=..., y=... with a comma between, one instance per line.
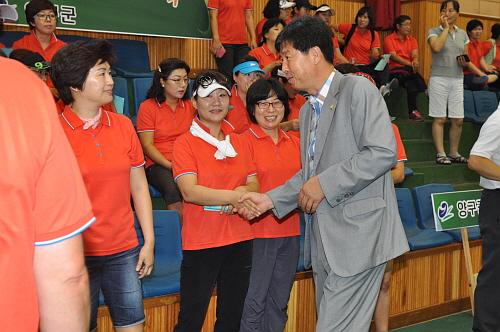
x=355, y=149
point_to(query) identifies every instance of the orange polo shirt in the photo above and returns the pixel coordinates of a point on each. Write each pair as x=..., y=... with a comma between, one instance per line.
x=295, y=105
x=2, y=45
x=275, y=164
x=43, y=197
x=475, y=52
x=106, y=155
x=360, y=44
x=264, y=56
x=108, y=107
x=202, y=229
x=165, y=123
x=231, y=18
x=403, y=48
x=30, y=42
x=238, y=115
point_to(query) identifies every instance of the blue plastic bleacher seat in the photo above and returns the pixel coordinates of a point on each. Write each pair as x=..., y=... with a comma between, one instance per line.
x=121, y=89
x=408, y=172
x=486, y=103
x=9, y=37
x=140, y=87
x=165, y=278
x=133, y=58
x=72, y=38
x=425, y=214
x=417, y=238
x=154, y=193
x=470, y=108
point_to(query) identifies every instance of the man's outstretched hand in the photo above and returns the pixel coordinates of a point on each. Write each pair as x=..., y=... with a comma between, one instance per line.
x=262, y=201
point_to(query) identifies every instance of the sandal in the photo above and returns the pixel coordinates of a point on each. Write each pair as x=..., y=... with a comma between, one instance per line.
x=443, y=160
x=458, y=160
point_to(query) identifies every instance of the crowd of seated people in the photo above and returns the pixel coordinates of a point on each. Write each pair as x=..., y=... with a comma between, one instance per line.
x=254, y=106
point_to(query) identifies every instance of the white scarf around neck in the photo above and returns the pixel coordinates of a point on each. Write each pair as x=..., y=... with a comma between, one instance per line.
x=224, y=148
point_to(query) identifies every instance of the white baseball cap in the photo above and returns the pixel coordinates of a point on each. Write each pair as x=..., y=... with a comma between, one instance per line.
x=285, y=4
x=8, y=12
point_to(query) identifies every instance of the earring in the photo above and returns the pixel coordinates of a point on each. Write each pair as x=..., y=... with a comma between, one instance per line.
x=163, y=85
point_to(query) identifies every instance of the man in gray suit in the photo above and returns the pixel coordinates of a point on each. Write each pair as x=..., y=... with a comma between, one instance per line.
x=345, y=185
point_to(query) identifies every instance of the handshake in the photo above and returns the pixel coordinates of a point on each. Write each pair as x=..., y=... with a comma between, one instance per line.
x=249, y=205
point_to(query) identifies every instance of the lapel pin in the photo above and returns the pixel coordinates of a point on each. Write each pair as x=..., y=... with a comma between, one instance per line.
x=332, y=107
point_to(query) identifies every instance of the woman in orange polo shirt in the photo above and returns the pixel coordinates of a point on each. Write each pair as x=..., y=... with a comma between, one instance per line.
x=213, y=169
x=165, y=115
x=41, y=16
x=110, y=158
x=266, y=54
x=276, y=245
x=477, y=75
x=404, y=63
x=363, y=44
x=245, y=72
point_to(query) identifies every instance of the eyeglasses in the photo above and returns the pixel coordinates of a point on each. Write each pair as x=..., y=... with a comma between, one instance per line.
x=264, y=105
x=49, y=17
x=206, y=80
x=179, y=81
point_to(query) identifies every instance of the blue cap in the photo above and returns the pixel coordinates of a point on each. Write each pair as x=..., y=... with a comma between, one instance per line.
x=248, y=67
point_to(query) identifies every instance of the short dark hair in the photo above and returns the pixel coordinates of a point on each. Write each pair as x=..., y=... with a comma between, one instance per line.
x=371, y=16
x=495, y=31
x=70, y=66
x=455, y=3
x=167, y=66
x=19, y=53
x=399, y=20
x=274, y=74
x=304, y=33
x=263, y=89
x=215, y=75
x=34, y=7
x=347, y=68
x=270, y=23
x=472, y=24
x=272, y=9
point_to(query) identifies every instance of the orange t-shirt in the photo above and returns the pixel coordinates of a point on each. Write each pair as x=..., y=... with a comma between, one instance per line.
x=43, y=197
x=275, y=164
x=295, y=105
x=231, y=19
x=165, y=123
x=399, y=144
x=238, y=115
x=30, y=42
x=403, y=48
x=202, y=229
x=487, y=47
x=360, y=44
x=335, y=46
x=2, y=45
x=264, y=56
x=105, y=156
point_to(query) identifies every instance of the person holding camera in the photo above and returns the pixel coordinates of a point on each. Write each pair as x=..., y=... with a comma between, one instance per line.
x=449, y=46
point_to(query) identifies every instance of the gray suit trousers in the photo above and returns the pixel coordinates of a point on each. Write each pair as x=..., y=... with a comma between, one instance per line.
x=343, y=304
